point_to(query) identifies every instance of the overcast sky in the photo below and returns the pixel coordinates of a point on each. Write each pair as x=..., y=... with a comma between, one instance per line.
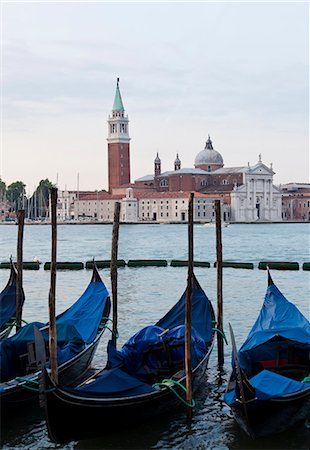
x=236, y=71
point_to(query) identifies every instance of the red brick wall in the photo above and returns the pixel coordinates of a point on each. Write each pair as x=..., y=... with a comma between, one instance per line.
x=118, y=164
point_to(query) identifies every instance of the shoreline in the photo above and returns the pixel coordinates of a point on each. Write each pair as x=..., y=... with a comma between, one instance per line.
x=152, y=223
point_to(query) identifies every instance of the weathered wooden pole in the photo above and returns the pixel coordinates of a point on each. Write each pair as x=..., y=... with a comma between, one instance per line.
x=19, y=268
x=113, y=268
x=219, y=282
x=188, y=309
x=52, y=293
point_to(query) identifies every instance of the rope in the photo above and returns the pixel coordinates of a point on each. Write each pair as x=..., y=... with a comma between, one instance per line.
x=14, y=322
x=108, y=328
x=221, y=333
x=168, y=382
x=30, y=388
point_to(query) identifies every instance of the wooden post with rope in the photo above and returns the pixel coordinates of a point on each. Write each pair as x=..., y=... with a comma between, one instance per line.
x=19, y=268
x=188, y=310
x=113, y=268
x=52, y=293
x=219, y=282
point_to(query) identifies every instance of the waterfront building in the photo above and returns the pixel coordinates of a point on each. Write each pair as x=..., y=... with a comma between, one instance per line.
x=296, y=202
x=66, y=202
x=147, y=207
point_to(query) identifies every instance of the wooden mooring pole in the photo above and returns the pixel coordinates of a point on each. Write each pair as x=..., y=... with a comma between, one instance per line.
x=52, y=293
x=188, y=310
x=219, y=282
x=113, y=268
x=19, y=268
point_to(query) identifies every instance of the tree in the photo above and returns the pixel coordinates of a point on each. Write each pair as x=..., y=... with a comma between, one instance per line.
x=40, y=199
x=15, y=193
x=2, y=190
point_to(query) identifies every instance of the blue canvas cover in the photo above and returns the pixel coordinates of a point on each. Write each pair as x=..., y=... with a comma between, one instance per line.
x=8, y=301
x=268, y=385
x=202, y=313
x=116, y=383
x=131, y=369
x=76, y=327
x=149, y=349
x=278, y=318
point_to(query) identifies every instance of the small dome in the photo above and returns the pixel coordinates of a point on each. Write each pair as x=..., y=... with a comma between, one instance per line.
x=157, y=159
x=208, y=156
x=177, y=160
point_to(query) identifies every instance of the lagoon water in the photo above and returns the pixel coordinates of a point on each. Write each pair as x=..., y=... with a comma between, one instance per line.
x=144, y=295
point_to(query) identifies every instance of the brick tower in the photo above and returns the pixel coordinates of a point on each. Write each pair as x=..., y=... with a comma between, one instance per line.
x=118, y=144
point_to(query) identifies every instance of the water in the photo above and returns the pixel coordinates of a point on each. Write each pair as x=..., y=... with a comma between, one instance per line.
x=145, y=294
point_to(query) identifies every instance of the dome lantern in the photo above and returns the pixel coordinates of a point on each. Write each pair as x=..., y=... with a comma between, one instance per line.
x=209, y=159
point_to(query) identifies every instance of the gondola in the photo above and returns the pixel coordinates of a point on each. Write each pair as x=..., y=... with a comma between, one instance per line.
x=142, y=380
x=8, y=304
x=269, y=386
x=79, y=329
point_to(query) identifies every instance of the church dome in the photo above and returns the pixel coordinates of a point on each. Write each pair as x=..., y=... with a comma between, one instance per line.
x=208, y=156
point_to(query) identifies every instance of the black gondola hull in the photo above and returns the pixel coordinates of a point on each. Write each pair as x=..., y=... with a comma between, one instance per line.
x=15, y=392
x=94, y=417
x=272, y=416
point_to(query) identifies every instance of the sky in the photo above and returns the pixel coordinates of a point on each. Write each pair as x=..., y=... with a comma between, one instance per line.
x=238, y=71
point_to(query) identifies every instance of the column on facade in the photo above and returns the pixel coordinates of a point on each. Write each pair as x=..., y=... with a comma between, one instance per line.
x=254, y=200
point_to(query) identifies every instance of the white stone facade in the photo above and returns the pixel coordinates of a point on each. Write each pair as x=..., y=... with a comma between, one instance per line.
x=257, y=200
x=160, y=208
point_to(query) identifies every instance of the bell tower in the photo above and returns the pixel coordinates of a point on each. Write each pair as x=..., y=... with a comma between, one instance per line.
x=118, y=144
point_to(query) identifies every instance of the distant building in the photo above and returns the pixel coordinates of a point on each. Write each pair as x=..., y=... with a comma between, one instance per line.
x=296, y=202
x=147, y=206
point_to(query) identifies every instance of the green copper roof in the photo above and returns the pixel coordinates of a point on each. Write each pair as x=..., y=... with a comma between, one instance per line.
x=118, y=104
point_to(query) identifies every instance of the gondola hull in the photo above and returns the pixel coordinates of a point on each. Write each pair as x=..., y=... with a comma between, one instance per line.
x=15, y=391
x=94, y=417
x=79, y=330
x=269, y=390
x=272, y=416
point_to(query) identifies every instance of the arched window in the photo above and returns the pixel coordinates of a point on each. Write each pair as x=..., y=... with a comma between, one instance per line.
x=163, y=183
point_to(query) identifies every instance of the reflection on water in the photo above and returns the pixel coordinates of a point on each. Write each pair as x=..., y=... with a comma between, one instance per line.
x=144, y=295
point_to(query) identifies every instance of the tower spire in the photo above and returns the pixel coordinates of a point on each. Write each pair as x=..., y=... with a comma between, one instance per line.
x=118, y=103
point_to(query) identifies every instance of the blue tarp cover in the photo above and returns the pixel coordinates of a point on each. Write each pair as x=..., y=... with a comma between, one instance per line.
x=8, y=304
x=138, y=359
x=146, y=351
x=202, y=314
x=278, y=317
x=76, y=327
x=268, y=385
x=116, y=382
